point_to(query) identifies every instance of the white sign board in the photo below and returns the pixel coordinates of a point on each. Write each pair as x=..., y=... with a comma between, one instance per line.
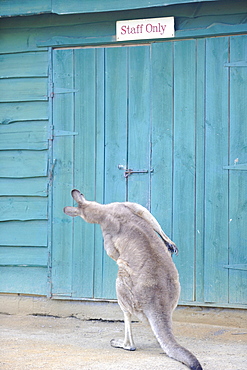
x=140, y=29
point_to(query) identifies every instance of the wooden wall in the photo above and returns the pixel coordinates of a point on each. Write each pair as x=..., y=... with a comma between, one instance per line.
x=26, y=117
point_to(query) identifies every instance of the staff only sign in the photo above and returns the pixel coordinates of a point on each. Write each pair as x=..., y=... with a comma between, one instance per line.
x=140, y=29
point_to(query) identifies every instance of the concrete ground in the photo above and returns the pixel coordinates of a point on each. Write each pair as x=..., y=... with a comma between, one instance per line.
x=217, y=337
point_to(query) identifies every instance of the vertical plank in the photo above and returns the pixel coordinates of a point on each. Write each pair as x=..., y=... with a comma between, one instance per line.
x=63, y=119
x=184, y=163
x=99, y=169
x=200, y=169
x=162, y=133
x=84, y=169
x=216, y=179
x=238, y=179
x=115, y=144
x=139, y=124
x=116, y=75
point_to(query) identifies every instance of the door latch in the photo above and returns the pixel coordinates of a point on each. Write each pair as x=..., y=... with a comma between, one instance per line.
x=129, y=171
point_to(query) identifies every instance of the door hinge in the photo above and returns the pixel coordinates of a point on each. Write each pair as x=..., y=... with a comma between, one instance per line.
x=57, y=133
x=62, y=90
x=242, y=63
x=236, y=267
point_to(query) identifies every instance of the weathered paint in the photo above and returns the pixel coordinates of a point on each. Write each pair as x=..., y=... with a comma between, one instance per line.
x=179, y=120
x=195, y=177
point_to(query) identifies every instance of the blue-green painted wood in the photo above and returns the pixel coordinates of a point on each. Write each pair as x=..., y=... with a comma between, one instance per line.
x=162, y=133
x=238, y=179
x=200, y=170
x=63, y=117
x=25, y=280
x=36, y=186
x=216, y=179
x=184, y=162
x=30, y=135
x=23, y=256
x=15, y=7
x=23, y=208
x=23, y=111
x=23, y=233
x=139, y=144
x=84, y=167
x=29, y=64
x=22, y=163
x=23, y=89
x=116, y=93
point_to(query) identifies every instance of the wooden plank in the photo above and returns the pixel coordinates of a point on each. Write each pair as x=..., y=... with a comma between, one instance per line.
x=162, y=134
x=84, y=168
x=116, y=95
x=63, y=114
x=30, y=135
x=17, y=280
x=23, y=208
x=23, y=111
x=99, y=168
x=238, y=179
x=216, y=179
x=32, y=64
x=26, y=256
x=184, y=163
x=23, y=233
x=20, y=164
x=88, y=6
x=23, y=89
x=36, y=186
x=139, y=144
x=16, y=7
x=200, y=169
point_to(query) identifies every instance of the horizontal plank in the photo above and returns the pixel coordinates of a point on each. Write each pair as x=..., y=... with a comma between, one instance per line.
x=17, y=7
x=33, y=64
x=78, y=6
x=23, y=111
x=10, y=256
x=23, y=208
x=23, y=233
x=25, y=280
x=23, y=89
x=20, y=163
x=37, y=186
x=30, y=135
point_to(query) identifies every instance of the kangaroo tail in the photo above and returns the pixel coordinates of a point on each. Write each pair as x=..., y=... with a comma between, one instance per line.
x=162, y=329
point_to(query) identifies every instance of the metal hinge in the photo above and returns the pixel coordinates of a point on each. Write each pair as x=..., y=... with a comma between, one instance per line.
x=64, y=133
x=236, y=267
x=241, y=63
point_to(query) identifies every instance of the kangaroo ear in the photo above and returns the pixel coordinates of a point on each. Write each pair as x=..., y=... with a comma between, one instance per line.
x=71, y=211
x=77, y=196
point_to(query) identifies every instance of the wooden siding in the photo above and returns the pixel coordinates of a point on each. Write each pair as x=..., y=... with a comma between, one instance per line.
x=25, y=120
x=23, y=171
x=170, y=117
x=14, y=7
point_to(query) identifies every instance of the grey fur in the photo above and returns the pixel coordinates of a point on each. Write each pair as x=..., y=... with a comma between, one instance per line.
x=147, y=283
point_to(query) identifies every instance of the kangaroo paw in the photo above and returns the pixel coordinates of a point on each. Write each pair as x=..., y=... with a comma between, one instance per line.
x=121, y=344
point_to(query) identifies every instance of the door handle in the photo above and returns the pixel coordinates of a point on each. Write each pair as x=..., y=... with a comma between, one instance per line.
x=129, y=171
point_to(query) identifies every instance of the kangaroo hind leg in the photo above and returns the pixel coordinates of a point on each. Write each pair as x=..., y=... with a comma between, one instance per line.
x=128, y=342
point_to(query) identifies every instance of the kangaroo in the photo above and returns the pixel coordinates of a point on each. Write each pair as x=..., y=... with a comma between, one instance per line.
x=147, y=284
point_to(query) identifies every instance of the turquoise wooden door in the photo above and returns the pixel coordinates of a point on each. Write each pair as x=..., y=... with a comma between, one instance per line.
x=170, y=113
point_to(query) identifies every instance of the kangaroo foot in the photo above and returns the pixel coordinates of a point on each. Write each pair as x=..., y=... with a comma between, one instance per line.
x=121, y=344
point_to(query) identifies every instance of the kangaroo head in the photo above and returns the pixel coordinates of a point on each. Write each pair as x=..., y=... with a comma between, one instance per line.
x=89, y=211
x=82, y=202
